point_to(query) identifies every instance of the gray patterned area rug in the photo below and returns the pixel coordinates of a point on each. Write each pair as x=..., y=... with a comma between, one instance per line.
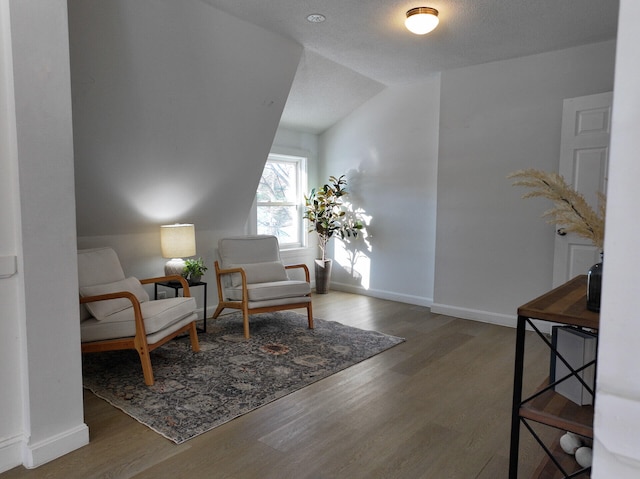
x=230, y=376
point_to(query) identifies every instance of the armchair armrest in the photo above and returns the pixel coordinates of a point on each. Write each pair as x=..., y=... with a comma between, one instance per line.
x=137, y=312
x=220, y=272
x=231, y=270
x=102, y=297
x=303, y=267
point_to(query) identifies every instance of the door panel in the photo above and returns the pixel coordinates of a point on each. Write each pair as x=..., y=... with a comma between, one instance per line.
x=584, y=158
x=589, y=173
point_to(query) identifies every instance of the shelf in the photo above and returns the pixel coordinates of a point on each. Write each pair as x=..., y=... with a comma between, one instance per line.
x=548, y=470
x=557, y=411
x=566, y=304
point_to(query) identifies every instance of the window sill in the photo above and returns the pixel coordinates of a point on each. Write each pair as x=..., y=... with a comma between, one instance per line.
x=293, y=248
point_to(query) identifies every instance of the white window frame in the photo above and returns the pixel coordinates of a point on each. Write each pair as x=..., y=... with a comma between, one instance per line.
x=301, y=163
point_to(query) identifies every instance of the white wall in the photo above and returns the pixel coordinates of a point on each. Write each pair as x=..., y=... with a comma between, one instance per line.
x=175, y=105
x=493, y=251
x=617, y=421
x=389, y=150
x=12, y=315
x=40, y=338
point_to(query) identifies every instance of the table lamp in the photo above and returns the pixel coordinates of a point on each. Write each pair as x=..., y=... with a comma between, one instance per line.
x=177, y=241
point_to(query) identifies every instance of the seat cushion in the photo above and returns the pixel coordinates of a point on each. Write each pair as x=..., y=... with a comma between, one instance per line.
x=266, y=272
x=102, y=309
x=271, y=290
x=157, y=315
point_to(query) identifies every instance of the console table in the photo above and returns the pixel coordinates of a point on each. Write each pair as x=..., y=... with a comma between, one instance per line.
x=567, y=305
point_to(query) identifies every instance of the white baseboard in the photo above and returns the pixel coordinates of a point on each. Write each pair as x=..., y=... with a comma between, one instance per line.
x=486, y=317
x=454, y=311
x=36, y=454
x=376, y=293
x=10, y=453
x=447, y=310
x=474, y=314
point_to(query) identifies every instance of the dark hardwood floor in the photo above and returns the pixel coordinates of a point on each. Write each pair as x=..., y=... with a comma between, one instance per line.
x=437, y=406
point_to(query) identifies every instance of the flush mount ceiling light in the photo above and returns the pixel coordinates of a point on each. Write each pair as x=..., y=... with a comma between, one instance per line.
x=421, y=20
x=316, y=18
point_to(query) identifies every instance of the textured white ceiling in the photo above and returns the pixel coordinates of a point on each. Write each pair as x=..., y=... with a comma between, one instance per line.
x=363, y=45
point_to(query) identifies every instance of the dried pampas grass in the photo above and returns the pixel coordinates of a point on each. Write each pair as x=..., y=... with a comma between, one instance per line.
x=570, y=209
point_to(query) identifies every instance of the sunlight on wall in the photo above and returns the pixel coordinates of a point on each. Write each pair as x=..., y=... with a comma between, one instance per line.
x=353, y=254
x=357, y=264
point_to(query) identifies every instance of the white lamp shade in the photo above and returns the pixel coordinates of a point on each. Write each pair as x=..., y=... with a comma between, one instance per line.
x=421, y=20
x=178, y=241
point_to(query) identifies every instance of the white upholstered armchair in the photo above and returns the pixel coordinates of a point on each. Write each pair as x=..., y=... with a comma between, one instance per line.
x=252, y=278
x=116, y=312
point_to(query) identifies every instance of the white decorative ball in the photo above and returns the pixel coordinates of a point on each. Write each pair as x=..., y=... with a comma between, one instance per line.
x=570, y=442
x=583, y=456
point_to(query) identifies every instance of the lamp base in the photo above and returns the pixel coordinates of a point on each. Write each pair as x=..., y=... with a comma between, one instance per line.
x=174, y=266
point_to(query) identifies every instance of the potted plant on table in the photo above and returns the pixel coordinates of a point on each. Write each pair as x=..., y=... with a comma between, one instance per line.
x=327, y=217
x=194, y=269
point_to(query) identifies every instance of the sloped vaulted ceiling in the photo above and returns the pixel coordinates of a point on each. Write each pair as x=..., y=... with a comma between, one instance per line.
x=175, y=106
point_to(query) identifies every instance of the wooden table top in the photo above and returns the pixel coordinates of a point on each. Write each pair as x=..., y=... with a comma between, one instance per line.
x=566, y=304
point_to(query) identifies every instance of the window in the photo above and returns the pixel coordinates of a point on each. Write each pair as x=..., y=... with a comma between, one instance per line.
x=279, y=199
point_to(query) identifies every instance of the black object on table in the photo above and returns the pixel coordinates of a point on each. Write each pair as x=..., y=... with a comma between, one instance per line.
x=176, y=286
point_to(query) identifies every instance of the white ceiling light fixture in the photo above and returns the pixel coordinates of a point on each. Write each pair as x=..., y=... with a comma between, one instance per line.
x=316, y=18
x=421, y=20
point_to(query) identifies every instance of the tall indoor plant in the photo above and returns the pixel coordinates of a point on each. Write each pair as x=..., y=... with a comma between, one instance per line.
x=326, y=214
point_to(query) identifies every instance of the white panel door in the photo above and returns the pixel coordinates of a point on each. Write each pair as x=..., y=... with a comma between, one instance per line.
x=584, y=160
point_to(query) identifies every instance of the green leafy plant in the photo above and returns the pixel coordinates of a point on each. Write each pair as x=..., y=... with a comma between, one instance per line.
x=194, y=267
x=326, y=214
x=570, y=209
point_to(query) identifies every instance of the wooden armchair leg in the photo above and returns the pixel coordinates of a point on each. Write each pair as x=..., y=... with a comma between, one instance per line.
x=217, y=311
x=245, y=322
x=193, y=336
x=310, y=316
x=147, y=370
